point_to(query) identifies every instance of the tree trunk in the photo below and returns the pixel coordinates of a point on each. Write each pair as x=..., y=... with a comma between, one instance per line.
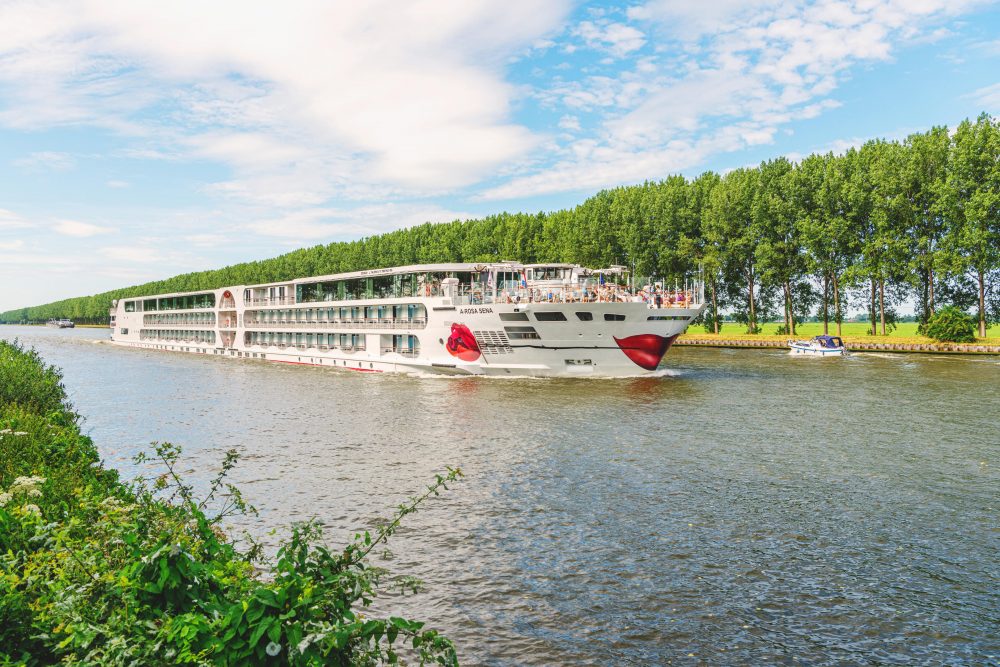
x=871, y=311
x=715, y=311
x=930, y=285
x=753, y=314
x=784, y=299
x=836, y=303
x=881, y=303
x=826, y=304
x=791, y=308
x=982, y=305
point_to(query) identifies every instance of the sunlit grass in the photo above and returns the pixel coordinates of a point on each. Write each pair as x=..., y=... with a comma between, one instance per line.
x=856, y=332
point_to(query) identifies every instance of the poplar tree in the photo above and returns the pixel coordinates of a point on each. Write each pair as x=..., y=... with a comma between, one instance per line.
x=779, y=249
x=973, y=195
x=730, y=226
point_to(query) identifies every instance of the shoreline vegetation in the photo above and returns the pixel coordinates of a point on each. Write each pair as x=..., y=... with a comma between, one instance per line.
x=888, y=223
x=855, y=335
x=96, y=570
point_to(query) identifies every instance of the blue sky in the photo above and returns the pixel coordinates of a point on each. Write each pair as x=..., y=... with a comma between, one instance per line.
x=142, y=140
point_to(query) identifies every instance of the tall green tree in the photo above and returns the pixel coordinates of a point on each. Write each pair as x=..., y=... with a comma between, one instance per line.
x=922, y=182
x=973, y=195
x=730, y=226
x=885, y=248
x=778, y=202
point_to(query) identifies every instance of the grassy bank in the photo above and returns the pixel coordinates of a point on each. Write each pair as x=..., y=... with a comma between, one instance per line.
x=94, y=570
x=853, y=332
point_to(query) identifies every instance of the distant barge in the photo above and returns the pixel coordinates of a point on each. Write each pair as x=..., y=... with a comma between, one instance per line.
x=61, y=324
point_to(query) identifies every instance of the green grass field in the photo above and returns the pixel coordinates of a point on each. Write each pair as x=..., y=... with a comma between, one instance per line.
x=905, y=332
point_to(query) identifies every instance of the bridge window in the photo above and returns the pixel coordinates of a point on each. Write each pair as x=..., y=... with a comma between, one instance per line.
x=553, y=316
x=522, y=333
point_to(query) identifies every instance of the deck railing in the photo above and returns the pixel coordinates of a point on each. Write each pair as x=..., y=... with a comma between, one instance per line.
x=184, y=322
x=276, y=301
x=667, y=299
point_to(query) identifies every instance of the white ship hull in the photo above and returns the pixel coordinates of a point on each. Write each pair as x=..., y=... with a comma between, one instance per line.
x=445, y=334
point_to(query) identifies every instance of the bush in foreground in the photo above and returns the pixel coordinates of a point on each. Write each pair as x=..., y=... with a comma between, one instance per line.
x=94, y=571
x=952, y=325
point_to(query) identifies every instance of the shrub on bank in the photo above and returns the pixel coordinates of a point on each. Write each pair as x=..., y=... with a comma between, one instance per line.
x=95, y=571
x=952, y=325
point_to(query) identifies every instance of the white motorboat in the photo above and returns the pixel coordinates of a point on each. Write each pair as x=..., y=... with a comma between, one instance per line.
x=820, y=346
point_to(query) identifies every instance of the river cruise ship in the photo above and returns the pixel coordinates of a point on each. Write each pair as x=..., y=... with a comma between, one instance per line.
x=500, y=319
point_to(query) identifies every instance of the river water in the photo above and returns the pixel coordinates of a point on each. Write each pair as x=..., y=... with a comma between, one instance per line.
x=744, y=508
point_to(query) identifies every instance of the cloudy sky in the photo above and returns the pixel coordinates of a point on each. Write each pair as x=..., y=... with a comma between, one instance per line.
x=139, y=140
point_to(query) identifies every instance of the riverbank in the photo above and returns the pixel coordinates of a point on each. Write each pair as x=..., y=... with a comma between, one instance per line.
x=919, y=344
x=95, y=570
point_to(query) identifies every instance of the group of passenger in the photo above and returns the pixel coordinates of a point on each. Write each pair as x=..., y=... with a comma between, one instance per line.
x=657, y=297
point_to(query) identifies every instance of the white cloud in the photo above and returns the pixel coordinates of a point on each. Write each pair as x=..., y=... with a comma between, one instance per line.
x=330, y=224
x=11, y=245
x=132, y=254
x=46, y=161
x=987, y=97
x=726, y=75
x=408, y=96
x=117, y=184
x=571, y=123
x=79, y=229
x=11, y=220
x=617, y=39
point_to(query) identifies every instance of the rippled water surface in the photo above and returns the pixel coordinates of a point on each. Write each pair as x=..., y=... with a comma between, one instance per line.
x=746, y=508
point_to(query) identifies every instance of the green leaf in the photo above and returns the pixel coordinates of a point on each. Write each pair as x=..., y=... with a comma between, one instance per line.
x=258, y=632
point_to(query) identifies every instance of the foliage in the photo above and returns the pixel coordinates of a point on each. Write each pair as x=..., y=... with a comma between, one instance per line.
x=916, y=220
x=952, y=325
x=708, y=318
x=27, y=381
x=94, y=571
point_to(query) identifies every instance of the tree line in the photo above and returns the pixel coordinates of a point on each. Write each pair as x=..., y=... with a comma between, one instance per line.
x=871, y=228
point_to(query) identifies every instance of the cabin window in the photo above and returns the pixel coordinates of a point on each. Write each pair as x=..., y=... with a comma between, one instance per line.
x=612, y=317
x=513, y=317
x=124, y=332
x=130, y=306
x=667, y=317
x=585, y=316
x=553, y=316
x=522, y=333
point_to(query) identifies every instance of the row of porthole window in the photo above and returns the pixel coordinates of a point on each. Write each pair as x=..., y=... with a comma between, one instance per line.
x=286, y=339
x=185, y=335
x=180, y=318
x=401, y=312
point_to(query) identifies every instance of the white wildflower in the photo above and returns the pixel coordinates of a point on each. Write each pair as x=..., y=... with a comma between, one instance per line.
x=5, y=498
x=34, y=493
x=5, y=431
x=33, y=509
x=20, y=433
x=273, y=649
x=25, y=484
x=175, y=549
